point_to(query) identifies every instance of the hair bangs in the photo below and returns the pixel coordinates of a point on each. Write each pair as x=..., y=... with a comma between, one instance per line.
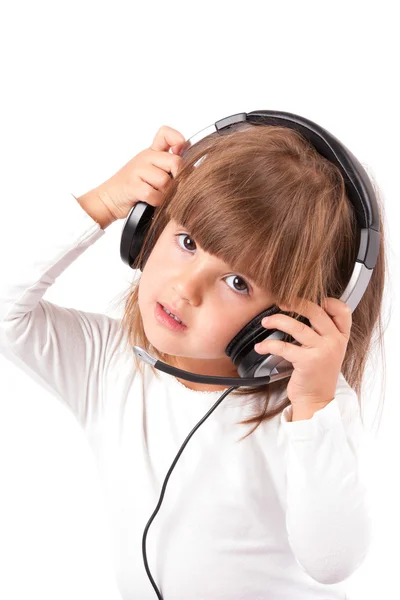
x=225, y=226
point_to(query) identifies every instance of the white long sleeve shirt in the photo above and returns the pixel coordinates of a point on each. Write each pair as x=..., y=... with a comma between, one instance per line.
x=281, y=515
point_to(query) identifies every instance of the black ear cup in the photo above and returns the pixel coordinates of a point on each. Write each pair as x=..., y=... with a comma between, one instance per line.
x=241, y=348
x=252, y=332
x=134, y=233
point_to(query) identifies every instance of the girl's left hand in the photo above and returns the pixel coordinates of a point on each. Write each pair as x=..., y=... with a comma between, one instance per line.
x=317, y=363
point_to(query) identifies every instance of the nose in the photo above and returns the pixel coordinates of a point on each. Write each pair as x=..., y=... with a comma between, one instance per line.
x=186, y=290
x=189, y=284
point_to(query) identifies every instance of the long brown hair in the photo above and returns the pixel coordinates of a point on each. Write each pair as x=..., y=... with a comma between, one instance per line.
x=263, y=200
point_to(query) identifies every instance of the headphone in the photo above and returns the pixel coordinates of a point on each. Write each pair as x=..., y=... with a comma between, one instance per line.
x=255, y=369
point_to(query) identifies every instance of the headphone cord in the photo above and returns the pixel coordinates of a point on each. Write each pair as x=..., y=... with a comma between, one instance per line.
x=153, y=583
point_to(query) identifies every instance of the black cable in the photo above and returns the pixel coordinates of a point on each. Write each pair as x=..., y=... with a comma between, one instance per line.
x=153, y=583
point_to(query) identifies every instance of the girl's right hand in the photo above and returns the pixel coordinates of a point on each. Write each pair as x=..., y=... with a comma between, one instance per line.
x=145, y=176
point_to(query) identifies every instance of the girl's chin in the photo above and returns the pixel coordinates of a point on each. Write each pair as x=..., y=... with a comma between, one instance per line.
x=160, y=341
x=163, y=346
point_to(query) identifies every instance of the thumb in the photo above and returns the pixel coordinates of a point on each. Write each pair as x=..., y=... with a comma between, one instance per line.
x=177, y=148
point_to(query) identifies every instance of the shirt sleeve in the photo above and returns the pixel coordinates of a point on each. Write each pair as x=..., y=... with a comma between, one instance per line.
x=63, y=349
x=327, y=509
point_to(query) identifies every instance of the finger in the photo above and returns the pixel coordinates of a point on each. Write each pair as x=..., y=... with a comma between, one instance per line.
x=341, y=315
x=154, y=176
x=166, y=138
x=146, y=193
x=170, y=163
x=300, y=331
x=289, y=351
x=317, y=315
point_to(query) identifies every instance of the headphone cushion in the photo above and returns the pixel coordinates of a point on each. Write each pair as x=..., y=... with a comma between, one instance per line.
x=243, y=342
x=251, y=332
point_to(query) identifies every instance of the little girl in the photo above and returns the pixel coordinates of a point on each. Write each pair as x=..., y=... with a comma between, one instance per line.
x=281, y=512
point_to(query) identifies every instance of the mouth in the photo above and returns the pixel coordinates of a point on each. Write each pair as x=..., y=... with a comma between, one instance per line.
x=167, y=317
x=173, y=313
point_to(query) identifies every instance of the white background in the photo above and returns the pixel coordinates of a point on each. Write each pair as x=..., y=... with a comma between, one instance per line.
x=84, y=87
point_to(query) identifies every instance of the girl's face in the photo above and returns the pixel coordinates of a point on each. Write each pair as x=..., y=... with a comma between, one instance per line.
x=213, y=302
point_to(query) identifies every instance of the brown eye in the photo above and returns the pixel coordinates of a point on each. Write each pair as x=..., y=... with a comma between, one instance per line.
x=186, y=246
x=241, y=286
x=189, y=245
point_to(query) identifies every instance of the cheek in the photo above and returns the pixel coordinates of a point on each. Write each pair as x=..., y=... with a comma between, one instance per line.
x=148, y=292
x=217, y=329
x=227, y=326
x=151, y=279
